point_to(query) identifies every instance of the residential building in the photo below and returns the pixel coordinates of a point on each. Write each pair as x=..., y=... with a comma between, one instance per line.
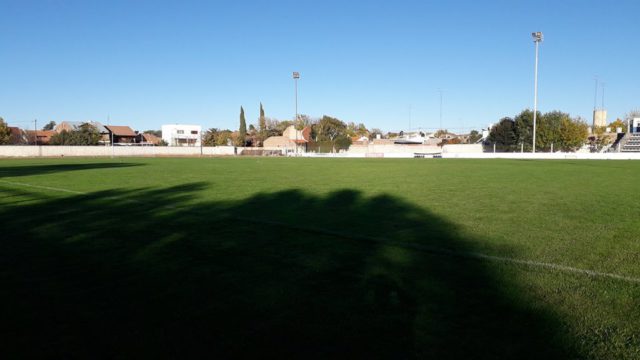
x=43, y=136
x=122, y=134
x=17, y=136
x=105, y=134
x=291, y=141
x=182, y=135
x=149, y=139
x=359, y=140
x=415, y=138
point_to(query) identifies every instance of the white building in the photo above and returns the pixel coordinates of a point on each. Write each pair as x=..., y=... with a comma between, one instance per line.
x=635, y=125
x=182, y=135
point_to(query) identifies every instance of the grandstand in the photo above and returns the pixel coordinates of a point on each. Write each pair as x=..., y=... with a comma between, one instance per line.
x=630, y=143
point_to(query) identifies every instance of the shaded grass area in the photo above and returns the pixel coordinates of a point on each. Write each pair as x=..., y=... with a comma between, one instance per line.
x=44, y=169
x=176, y=271
x=118, y=279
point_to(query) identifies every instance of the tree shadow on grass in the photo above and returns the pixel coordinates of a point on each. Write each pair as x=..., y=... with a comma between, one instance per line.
x=30, y=169
x=144, y=273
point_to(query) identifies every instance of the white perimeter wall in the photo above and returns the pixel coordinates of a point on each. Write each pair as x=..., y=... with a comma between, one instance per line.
x=106, y=151
x=59, y=151
x=546, y=156
x=393, y=149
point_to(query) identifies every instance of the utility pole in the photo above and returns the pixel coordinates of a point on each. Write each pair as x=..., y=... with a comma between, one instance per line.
x=35, y=134
x=440, y=91
x=296, y=76
x=110, y=135
x=595, y=96
x=537, y=39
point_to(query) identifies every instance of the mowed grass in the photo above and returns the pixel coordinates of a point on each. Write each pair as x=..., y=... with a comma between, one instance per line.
x=238, y=257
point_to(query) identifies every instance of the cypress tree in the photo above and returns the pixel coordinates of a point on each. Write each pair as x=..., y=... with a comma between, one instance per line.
x=242, y=132
x=262, y=123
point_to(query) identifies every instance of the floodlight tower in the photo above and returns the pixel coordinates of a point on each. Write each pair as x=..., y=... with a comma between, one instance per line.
x=537, y=39
x=296, y=76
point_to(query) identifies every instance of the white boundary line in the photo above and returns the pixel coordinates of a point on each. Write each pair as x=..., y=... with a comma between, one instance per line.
x=43, y=187
x=420, y=247
x=442, y=251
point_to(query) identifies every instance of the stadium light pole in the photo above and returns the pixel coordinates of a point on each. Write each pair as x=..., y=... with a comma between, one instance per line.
x=537, y=39
x=440, y=91
x=296, y=76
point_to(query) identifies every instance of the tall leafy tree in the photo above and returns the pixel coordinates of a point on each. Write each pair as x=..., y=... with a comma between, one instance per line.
x=573, y=134
x=242, y=131
x=524, y=128
x=86, y=134
x=216, y=137
x=503, y=135
x=157, y=133
x=618, y=124
x=474, y=136
x=549, y=130
x=333, y=132
x=49, y=126
x=354, y=129
x=303, y=121
x=5, y=132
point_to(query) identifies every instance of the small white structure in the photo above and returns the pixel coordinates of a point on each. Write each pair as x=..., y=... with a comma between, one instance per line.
x=635, y=125
x=182, y=135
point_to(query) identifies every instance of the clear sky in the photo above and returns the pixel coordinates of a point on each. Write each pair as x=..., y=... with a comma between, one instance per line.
x=147, y=63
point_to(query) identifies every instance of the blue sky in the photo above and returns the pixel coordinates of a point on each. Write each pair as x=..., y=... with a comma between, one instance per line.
x=146, y=63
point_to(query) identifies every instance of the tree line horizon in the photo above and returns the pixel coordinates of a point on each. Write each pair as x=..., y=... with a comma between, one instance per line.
x=555, y=129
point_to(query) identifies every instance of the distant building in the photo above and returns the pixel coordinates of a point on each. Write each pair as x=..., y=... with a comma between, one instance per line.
x=149, y=139
x=635, y=125
x=292, y=140
x=122, y=134
x=359, y=140
x=181, y=134
x=599, y=118
x=105, y=134
x=415, y=138
x=43, y=136
x=17, y=136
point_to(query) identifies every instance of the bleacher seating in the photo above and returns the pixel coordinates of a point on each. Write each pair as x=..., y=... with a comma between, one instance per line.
x=631, y=143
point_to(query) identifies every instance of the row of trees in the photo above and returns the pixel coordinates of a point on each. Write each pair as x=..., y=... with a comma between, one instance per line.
x=326, y=132
x=5, y=132
x=553, y=129
x=86, y=134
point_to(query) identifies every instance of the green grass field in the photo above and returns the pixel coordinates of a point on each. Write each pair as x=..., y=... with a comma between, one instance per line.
x=316, y=258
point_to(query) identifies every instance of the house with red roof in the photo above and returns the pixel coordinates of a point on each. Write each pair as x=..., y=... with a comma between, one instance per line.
x=122, y=134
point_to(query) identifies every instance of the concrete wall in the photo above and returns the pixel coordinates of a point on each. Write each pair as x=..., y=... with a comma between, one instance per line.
x=462, y=148
x=394, y=149
x=106, y=151
x=59, y=151
x=545, y=156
